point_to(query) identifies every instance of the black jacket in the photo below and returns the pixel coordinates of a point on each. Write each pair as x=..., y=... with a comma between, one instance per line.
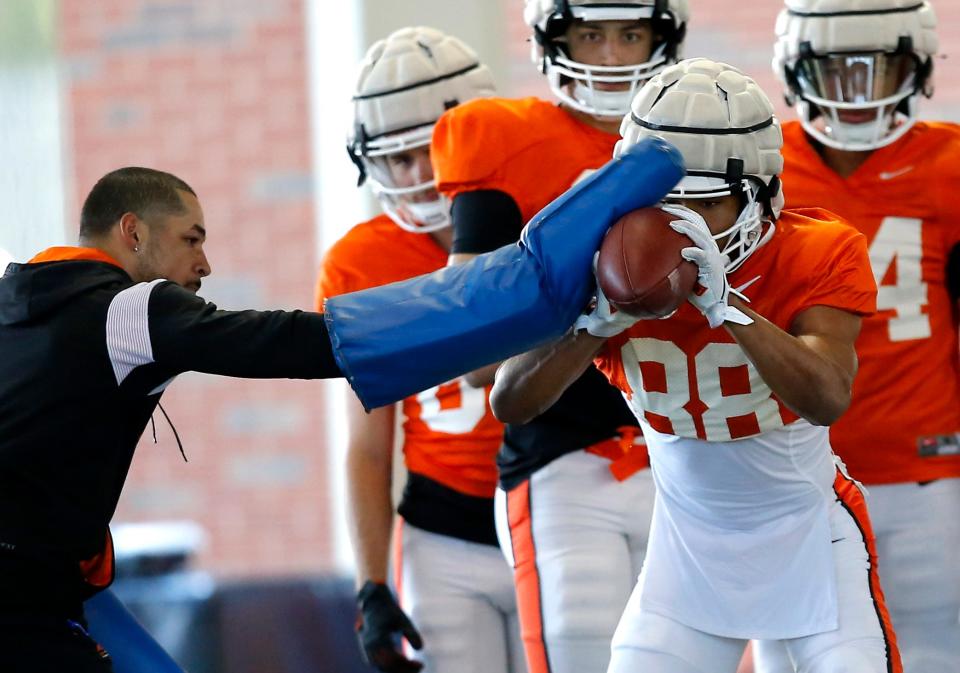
x=85, y=354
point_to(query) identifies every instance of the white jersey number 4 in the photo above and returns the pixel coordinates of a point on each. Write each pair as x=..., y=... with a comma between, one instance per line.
x=900, y=240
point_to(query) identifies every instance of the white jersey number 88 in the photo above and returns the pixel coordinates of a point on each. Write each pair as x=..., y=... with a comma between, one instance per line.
x=704, y=382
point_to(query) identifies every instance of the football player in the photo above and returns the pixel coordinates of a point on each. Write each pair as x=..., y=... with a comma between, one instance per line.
x=756, y=527
x=856, y=71
x=449, y=574
x=576, y=495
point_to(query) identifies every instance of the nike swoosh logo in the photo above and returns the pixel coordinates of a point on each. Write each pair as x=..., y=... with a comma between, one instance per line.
x=895, y=174
x=837, y=540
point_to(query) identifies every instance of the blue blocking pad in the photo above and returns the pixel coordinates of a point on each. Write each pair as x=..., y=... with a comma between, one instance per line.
x=131, y=648
x=398, y=339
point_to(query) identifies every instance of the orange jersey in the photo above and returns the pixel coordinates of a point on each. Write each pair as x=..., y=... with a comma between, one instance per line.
x=692, y=381
x=907, y=391
x=450, y=434
x=528, y=148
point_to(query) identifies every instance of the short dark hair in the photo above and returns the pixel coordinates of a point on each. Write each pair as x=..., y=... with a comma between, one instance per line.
x=142, y=191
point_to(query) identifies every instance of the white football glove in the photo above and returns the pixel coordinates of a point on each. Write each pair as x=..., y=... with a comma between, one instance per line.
x=604, y=321
x=713, y=292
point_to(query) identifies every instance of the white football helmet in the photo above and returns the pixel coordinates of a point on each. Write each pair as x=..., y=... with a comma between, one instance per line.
x=406, y=82
x=725, y=128
x=573, y=82
x=855, y=68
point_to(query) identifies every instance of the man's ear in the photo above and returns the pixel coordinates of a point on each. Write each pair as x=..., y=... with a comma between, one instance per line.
x=130, y=228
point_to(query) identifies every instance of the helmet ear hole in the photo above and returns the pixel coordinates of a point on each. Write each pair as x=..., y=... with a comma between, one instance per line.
x=766, y=195
x=356, y=148
x=681, y=35
x=793, y=83
x=540, y=37
x=358, y=162
x=925, y=77
x=790, y=76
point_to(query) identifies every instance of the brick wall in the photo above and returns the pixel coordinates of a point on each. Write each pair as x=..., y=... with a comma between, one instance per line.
x=216, y=93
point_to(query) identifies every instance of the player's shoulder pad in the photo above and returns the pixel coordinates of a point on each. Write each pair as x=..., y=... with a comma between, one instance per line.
x=936, y=143
x=792, y=131
x=940, y=130
x=473, y=140
x=818, y=232
x=791, y=126
x=831, y=257
x=346, y=265
x=819, y=221
x=942, y=140
x=357, y=242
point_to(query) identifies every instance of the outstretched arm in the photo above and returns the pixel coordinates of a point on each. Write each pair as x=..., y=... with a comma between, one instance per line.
x=529, y=384
x=811, y=368
x=164, y=324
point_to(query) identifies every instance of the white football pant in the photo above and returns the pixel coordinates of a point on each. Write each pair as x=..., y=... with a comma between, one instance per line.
x=652, y=643
x=918, y=545
x=576, y=538
x=460, y=597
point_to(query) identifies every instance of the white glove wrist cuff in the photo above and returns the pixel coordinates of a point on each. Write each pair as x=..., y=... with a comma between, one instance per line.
x=598, y=327
x=721, y=313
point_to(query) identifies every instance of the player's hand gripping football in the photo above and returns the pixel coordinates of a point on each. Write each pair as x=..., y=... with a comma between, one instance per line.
x=379, y=623
x=604, y=320
x=712, y=292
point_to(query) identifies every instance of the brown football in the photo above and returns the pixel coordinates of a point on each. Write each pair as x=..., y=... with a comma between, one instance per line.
x=640, y=269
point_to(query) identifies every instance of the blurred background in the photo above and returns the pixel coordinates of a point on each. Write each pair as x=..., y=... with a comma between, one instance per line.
x=244, y=549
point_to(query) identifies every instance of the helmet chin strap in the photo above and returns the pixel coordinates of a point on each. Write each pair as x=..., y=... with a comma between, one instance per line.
x=430, y=213
x=607, y=104
x=401, y=205
x=863, y=134
x=417, y=218
x=887, y=126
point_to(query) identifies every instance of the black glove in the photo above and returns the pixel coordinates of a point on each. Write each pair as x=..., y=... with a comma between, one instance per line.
x=379, y=622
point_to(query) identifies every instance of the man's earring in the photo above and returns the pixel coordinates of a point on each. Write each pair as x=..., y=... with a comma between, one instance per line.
x=136, y=248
